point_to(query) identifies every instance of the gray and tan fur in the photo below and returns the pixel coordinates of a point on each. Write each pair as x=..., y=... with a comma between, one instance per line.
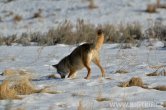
x=82, y=57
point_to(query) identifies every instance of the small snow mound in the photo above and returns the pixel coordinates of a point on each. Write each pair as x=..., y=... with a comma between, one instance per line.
x=62, y=45
x=158, y=44
x=54, y=61
x=154, y=43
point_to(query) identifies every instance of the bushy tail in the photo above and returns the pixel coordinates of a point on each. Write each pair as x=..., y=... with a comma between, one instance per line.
x=100, y=39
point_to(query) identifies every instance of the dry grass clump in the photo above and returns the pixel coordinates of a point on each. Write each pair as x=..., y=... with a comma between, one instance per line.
x=19, y=85
x=135, y=81
x=8, y=40
x=102, y=99
x=10, y=13
x=7, y=1
x=125, y=34
x=82, y=31
x=151, y=8
x=164, y=104
x=157, y=67
x=122, y=71
x=78, y=94
x=160, y=5
x=80, y=106
x=6, y=92
x=158, y=30
x=24, y=87
x=85, y=32
x=92, y=4
x=62, y=34
x=112, y=33
x=25, y=39
x=153, y=74
x=38, y=14
x=2, y=41
x=17, y=18
x=158, y=72
x=161, y=88
x=68, y=33
x=130, y=33
x=1, y=19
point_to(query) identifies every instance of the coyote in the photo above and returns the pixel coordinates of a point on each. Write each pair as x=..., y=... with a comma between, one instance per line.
x=81, y=57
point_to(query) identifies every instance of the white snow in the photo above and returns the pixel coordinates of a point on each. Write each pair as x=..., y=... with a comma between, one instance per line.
x=87, y=91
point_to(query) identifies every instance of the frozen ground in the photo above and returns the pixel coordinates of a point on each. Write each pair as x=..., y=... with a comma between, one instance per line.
x=136, y=60
x=55, y=11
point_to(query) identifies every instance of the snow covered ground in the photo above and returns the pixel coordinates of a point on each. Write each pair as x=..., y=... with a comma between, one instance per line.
x=38, y=60
x=137, y=61
x=55, y=11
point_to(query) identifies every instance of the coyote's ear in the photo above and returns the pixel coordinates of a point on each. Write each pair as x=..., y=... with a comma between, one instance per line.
x=55, y=66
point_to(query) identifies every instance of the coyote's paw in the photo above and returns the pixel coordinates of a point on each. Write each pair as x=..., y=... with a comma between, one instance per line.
x=87, y=78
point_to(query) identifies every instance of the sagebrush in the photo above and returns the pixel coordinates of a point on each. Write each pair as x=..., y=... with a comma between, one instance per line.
x=69, y=33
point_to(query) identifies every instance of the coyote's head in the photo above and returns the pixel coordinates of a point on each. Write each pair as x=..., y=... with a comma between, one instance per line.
x=60, y=70
x=99, y=32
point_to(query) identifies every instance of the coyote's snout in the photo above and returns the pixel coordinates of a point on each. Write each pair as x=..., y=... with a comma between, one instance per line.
x=80, y=57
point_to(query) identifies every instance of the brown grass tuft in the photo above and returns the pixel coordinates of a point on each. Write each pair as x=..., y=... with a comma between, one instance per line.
x=151, y=8
x=135, y=81
x=92, y=4
x=1, y=19
x=102, y=99
x=152, y=74
x=158, y=72
x=38, y=14
x=160, y=5
x=14, y=86
x=7, y=1
x=164, y=104
x=80, y=106
x=25, y=40
x=23, y=87
x=161, y=88
x=122, y=71
x=111, y=33
x=78, y=94
x=9, y=40
x=69, y=33
x=6, y=92
x=17, y=18
x=129, y=34
x=157, y=31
